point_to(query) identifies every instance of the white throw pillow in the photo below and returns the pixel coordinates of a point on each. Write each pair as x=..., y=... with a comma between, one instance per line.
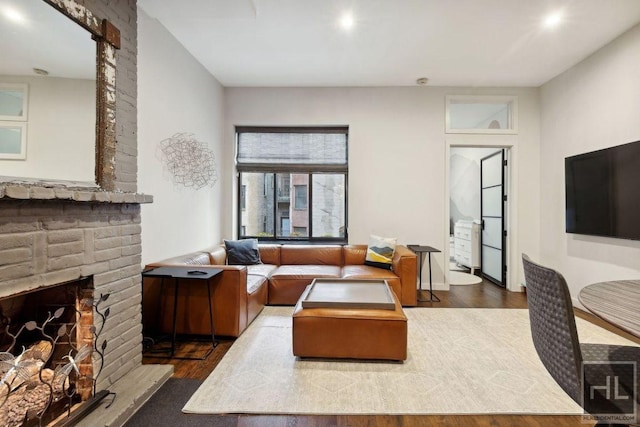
x=380, y=251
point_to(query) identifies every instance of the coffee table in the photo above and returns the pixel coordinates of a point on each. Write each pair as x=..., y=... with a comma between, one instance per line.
x=346, y=321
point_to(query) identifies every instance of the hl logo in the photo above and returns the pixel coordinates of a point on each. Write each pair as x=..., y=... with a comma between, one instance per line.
x=606, y=392
x=607, y=389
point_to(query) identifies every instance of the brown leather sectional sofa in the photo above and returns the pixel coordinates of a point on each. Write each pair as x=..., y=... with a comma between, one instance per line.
x=240, y=292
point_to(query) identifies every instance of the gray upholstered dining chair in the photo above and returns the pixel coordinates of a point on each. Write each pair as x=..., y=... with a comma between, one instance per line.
x=555, y=337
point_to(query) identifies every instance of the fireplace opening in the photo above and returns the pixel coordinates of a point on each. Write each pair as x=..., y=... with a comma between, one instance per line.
x=47, y=339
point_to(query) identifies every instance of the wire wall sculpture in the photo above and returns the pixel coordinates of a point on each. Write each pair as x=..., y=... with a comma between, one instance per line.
x=189, y=161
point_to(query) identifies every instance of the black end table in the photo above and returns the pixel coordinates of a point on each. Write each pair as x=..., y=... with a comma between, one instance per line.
x=420, y=250
x=178, y=273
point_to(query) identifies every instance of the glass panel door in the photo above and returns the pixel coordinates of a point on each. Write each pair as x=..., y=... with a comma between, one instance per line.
x=492, y=210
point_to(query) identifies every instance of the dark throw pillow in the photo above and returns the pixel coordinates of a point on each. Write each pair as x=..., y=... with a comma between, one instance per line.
x=242, y=252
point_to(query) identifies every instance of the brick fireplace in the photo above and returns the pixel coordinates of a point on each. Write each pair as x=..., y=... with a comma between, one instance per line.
x=44, y=243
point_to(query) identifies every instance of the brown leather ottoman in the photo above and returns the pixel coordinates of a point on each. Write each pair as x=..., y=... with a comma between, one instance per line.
x=353, y=333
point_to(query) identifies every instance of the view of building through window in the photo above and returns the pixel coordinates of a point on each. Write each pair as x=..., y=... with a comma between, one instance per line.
x=281, y=202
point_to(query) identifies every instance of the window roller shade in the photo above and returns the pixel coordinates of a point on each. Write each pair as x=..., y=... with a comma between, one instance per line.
x=292, y=150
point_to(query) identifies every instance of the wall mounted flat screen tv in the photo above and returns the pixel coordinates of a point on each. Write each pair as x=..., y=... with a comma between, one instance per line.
x=603, y=192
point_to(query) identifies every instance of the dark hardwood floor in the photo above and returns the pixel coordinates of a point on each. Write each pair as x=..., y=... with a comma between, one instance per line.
x=484, y=295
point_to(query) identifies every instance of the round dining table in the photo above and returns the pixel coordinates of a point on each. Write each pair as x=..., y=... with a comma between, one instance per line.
x=617, y=302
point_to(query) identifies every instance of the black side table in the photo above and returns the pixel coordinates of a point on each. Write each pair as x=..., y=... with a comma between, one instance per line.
x=186, y=272
x=420, y=250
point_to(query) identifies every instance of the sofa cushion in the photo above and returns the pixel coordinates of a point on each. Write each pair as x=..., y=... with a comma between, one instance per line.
x=218, y=255
x=366, y=272
x=287, y=282
x=263, y=270
x=311, y=255
x=269, y=253
x=198, y=259
x=254, y=282
x=296, y=272
x=194, y=258
x=354, y=254
x=256, y=300
x=242, y=252
x=380, y=251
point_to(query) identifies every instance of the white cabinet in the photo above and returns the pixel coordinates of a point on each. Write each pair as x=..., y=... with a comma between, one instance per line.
x=467, y=244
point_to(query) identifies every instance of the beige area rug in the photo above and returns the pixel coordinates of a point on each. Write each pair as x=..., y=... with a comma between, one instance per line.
x=463, y=361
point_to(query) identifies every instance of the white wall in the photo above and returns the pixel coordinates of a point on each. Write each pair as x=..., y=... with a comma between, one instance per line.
x=61, y=133
x=175, y=94
x=398, y=130
x=594, y=105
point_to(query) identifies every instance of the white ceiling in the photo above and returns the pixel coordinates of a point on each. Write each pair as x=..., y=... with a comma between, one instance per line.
x=393, y=42
x=42, y=37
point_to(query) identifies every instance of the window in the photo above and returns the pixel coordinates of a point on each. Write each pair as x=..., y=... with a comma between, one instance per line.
x=243, y=197
x=285, y=226
x=267, y=186
x=295, y=183
x=299, y=231
x=482, y=114
x=301, y=197
x=285, y=188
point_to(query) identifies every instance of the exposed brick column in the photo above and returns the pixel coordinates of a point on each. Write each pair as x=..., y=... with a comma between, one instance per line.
x=123, y=14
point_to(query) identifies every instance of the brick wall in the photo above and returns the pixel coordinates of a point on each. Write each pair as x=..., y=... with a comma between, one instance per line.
x=46, y=242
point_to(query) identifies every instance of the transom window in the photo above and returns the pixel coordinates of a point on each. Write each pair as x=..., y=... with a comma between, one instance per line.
x=292, y=183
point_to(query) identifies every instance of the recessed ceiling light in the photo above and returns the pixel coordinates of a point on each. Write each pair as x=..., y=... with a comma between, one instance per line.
x=346, y=21
x=12, y=14
x=40, y=72
x=422, y=81
x=553, y=20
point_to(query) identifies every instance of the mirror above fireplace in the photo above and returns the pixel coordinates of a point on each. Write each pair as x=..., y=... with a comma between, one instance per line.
x=54, y=59
x=64, y=58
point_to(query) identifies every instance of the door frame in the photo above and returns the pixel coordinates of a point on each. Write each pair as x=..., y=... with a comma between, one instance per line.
x=508, y=142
